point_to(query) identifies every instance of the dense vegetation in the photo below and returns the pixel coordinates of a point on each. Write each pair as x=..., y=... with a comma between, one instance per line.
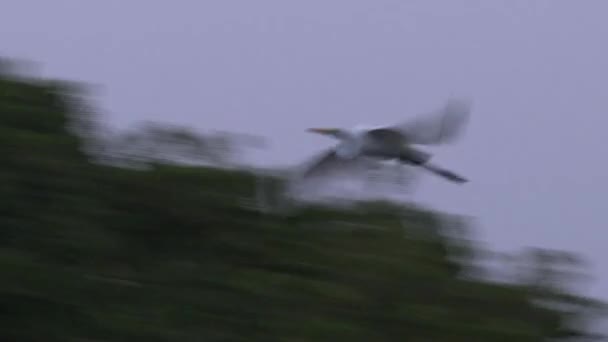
x=95, y=252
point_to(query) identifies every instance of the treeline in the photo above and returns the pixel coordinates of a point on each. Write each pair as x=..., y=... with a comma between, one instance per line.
x=93, y=251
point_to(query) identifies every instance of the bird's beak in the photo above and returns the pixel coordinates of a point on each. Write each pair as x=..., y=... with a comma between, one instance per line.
x=325, y=131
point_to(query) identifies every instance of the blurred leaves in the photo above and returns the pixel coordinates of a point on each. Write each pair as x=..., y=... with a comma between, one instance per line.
x=103, y=252
x=156, y=143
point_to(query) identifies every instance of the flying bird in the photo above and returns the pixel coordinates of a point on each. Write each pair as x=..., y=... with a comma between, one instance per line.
x=393, y=142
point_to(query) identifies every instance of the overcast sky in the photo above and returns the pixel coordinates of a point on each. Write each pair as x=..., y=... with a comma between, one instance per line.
x=537, y=72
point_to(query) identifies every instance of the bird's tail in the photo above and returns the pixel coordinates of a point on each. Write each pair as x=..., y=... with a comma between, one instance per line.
x=449, y=175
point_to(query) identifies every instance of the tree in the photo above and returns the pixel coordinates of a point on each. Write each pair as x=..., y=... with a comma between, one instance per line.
x=93, y=251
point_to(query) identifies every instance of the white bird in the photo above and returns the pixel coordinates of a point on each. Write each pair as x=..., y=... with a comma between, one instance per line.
x=394, y=142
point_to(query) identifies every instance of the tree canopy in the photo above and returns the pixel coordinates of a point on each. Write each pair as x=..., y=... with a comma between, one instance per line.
x=101, y=252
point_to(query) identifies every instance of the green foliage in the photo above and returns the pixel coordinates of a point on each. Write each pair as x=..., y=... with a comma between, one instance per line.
x=92, y=252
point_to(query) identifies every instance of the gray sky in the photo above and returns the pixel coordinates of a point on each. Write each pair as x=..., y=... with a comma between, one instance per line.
x=536, y=70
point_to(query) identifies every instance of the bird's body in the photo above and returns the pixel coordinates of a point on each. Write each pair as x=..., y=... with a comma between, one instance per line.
x=394, y=142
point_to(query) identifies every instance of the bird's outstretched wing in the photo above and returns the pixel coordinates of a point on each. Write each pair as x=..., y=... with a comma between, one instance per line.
x=327, y=163
x=321, y=164
x=441, y=126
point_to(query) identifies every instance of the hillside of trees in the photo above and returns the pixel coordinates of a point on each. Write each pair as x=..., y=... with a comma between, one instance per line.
x=94, y=251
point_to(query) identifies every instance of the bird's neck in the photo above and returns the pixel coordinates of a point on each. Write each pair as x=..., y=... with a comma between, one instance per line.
x=342, y=135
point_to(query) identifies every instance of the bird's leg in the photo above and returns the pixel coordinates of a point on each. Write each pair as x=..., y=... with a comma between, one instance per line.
x=447, y=174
